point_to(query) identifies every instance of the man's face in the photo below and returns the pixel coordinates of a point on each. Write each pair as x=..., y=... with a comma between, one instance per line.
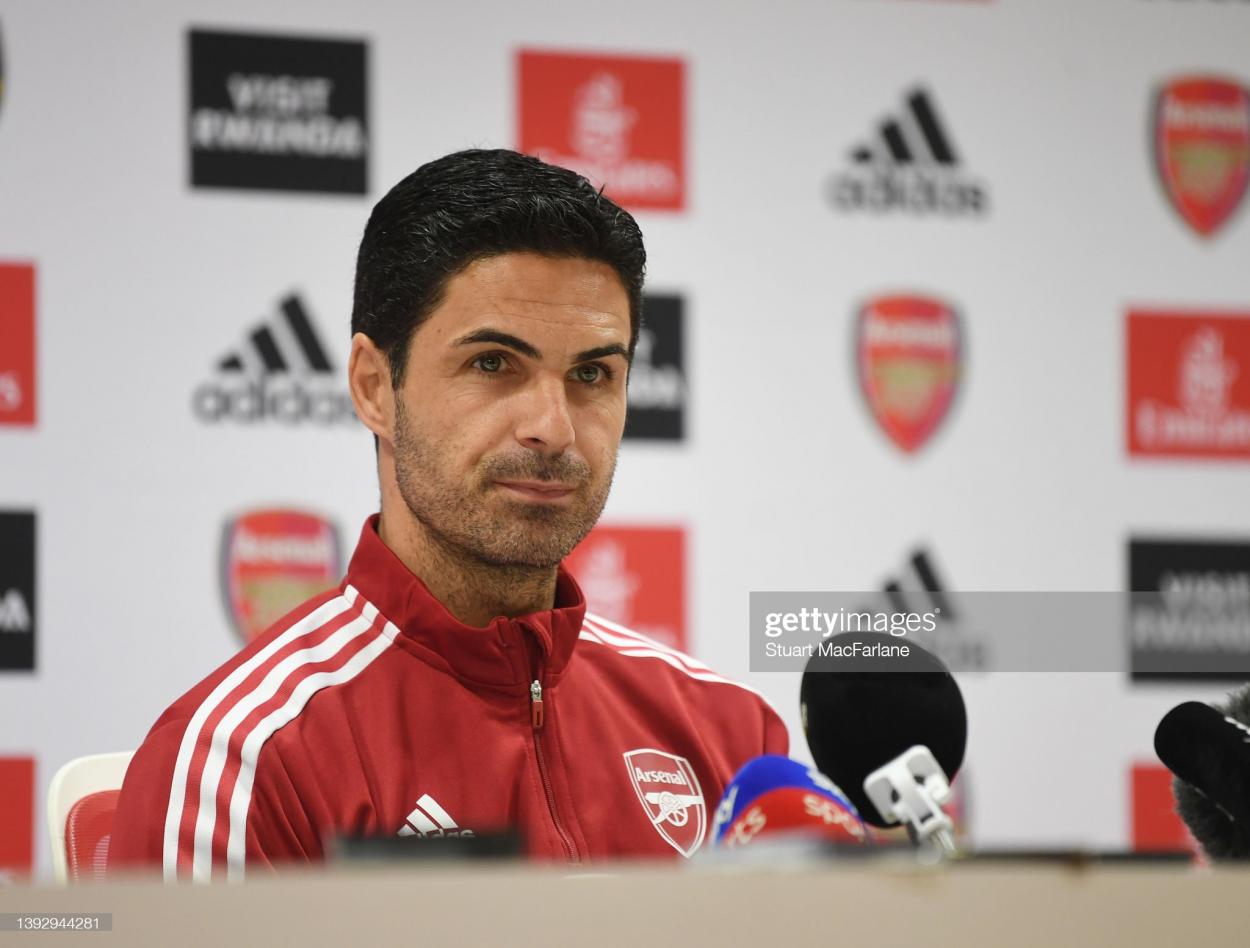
x=512, y=407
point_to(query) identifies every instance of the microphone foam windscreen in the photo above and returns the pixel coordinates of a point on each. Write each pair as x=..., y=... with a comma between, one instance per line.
x=858, y=721
x=1220, y=837
x=796, y=812
x=1204, y=750
x=776, y=793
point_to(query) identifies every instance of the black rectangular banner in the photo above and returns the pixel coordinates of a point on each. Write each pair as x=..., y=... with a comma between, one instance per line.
x=17, y=591
x=657, y=379
x=1197, y=616
x=278, y=113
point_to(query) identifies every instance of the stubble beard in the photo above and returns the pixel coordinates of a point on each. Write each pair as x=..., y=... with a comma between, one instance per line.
x=476, y=521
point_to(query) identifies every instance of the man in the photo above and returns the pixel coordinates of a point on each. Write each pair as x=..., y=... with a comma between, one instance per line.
x=454, y=683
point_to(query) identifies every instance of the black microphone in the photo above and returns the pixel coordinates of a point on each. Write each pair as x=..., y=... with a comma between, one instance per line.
x=860, y=722
x=1208, y=751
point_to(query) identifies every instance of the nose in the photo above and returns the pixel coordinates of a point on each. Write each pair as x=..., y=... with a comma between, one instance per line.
x=546, y=424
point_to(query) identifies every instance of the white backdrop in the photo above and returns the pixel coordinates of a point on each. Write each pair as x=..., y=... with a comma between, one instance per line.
x=784, y=481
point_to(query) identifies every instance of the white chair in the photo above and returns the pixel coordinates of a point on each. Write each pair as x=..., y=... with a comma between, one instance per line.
x=81, y=801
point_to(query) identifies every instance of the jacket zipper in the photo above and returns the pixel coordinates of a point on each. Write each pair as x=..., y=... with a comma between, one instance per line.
x=536, y=722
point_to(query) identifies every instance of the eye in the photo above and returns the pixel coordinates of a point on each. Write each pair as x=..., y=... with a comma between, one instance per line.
x=592, y=373
x=490, y=363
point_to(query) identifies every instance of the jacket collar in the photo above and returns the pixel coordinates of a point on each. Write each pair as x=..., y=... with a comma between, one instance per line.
x=508, y=653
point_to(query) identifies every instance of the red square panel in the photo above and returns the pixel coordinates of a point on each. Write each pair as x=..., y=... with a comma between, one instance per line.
x=1188, y=380
x=636, y=576
x=618, y=120
x=17, y=344
x=17, y=814
x=1156, y=826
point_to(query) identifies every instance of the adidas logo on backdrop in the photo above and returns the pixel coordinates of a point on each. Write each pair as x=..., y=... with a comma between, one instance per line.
x=280, y=372
x=916, y=588
x=428, y=819
x=917, y=581
x=910, y=165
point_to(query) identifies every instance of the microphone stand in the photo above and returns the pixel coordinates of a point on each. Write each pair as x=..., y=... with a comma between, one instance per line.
x=910, y=790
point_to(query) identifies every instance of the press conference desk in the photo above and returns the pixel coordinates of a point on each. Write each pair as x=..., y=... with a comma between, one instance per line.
x=635, y=907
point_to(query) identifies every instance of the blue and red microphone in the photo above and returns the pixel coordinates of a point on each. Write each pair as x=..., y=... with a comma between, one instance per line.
x=774, y=796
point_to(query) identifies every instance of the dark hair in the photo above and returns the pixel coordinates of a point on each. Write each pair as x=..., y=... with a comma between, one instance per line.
x=475, y=204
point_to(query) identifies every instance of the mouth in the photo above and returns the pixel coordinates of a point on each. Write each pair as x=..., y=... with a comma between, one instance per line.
x=539, y=491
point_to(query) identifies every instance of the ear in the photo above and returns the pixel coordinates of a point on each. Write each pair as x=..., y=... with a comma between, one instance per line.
x=369, y=379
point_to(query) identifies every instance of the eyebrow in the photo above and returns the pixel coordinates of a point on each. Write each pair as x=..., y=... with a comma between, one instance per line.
x=602, y=352
x=526, y=349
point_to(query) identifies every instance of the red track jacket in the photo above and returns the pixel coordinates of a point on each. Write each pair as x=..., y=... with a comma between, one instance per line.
x=371, y=710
